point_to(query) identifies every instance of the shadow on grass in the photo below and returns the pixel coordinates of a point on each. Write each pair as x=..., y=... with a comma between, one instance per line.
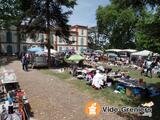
x=137, y=102
x=122, y=100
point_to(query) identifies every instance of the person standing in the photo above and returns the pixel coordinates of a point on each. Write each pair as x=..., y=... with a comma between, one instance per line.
x=151, y=65
x=26, y=62
x=23, y=62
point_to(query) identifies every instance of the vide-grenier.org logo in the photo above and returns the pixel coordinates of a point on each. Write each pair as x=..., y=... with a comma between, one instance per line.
x=92, y=108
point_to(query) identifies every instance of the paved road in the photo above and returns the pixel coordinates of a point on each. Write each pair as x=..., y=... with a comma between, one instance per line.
x=53, y=99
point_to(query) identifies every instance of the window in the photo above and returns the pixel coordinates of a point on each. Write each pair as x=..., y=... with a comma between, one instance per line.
x=81, y=49
x=60, y=39
x=60, y=48
x=81, y=41
x=9, y=49
x=33, y=36
x=41, y=37
x=23, y=36
x=24, y=48
x=82, y=32
x=9, y=36
x=51, y=39
x=73, y=38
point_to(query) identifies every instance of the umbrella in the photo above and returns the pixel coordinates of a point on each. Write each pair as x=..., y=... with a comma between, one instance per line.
x=35, y=49
x=75, y=57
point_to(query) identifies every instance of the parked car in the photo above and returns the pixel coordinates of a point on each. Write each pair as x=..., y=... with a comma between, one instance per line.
x=40, y=61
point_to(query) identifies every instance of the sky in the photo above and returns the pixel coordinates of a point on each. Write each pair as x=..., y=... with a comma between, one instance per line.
x=84, y=12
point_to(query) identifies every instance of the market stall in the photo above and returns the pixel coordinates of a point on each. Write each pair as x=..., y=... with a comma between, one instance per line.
x=13, y=101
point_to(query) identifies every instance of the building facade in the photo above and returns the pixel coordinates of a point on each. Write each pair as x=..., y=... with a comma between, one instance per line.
x=78, y=36
x=8, y=40
x=9, y=43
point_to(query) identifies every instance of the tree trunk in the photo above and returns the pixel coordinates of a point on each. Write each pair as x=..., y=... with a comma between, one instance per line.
x=18, y=42
x=0, y=45
x=48, y=33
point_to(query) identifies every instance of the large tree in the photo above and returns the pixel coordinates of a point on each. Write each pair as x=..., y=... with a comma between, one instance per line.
x=117, y=24
x=46, y=15
x=11, y=13
x=147, y=34
x=131, y=21
x=38, y=15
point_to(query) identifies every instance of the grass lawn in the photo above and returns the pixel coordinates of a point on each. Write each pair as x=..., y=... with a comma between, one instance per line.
x=63, y=75
x=136, y=74
x=107, y=94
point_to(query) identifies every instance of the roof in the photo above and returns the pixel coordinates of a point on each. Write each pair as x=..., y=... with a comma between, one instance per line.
x=79, y=26
x=121, y=50
x=129, y=50
x=113, y=50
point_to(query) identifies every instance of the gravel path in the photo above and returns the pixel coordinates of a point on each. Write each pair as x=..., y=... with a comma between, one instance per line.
x=53, y=99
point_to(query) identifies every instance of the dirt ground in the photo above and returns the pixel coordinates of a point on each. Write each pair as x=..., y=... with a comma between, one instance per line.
x=54, y=99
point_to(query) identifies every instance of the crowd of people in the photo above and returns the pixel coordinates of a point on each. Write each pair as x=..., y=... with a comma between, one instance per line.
x=99, y=77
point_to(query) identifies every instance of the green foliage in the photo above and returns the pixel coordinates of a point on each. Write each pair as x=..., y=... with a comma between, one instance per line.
x=135, y=4
x=117, y=24
x=44, y=14
x=147, y=33
x=129, y=24
x=37, y=13
x=10, y=12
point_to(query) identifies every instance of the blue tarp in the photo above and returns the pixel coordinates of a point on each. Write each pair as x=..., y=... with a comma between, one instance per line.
x=35, y=49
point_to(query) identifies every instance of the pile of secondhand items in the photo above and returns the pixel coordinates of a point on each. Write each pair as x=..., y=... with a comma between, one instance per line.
x=13, y=101
x=96, y=77
x=133, y=87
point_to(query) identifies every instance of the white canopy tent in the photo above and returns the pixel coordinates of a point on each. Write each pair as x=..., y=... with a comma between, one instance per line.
x=129, y=50
x=113, y=50
x=121, y=50
x=142, y=53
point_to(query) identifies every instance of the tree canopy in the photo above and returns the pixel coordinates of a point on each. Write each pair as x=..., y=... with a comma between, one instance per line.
x=118, y=25
x=35, y=12
x=131, y=24
x=37, y=15
x=10, y=12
